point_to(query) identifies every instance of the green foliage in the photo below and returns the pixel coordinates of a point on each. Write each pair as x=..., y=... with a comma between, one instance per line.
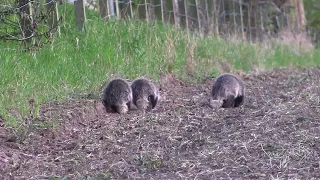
x=6, y=25
x=11, y=26
x=312, y=11
x=103, y=176
x=284, y=56
x=58, y=178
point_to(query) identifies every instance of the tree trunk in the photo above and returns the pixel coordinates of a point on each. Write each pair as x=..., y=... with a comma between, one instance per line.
x=176, y=14
x=301, y=19
x=241, y=21
x=192, y=14
x=253, y=27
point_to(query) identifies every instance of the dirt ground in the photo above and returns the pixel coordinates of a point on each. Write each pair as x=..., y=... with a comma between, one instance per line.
x=276, y=134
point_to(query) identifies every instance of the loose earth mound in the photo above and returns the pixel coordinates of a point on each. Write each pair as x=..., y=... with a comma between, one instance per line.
x=275, y=135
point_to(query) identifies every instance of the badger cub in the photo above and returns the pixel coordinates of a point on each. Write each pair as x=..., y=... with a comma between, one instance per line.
x=117, y=96
x=228, y=91
x=145, y=94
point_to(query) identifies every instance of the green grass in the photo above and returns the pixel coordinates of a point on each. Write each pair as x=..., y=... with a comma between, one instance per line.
x=122, y=48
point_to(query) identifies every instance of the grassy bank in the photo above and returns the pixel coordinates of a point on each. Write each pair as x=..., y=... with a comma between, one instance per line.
x=80, y=63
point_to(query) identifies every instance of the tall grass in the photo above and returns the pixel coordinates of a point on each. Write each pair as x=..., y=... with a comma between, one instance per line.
x=82, y=62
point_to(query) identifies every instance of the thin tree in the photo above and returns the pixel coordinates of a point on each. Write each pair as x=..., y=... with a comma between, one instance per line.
x=241, y=19
x=300, y=15
x=216, y=19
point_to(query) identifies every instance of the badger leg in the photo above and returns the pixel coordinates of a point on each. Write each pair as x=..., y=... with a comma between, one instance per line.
x=129, y=105
x=153, y=101
x=213, y=103
x=122, y=109
x=238, y=101
x=114, y=108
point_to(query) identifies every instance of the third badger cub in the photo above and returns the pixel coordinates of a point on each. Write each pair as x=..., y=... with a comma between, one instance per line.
x=228, y=91
x=145, y=94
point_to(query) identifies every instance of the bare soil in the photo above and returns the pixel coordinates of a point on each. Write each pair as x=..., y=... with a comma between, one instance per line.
x=276, y=134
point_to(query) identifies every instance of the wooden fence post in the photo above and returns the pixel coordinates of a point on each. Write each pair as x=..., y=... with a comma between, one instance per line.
x=80, y=14
x=198, y=16
x=26, y=22
x=103, y=8
x=210, y=15
x=248, y=28
x=111, y=8
x=207, y=16
x=141, y=9
x=234, y=18
x=216, y=19
x=52, y=10
x=152, y=10
x=164, y=11
x=126, y=10
x=241, y=19
x=146, y=8
x=202, y=16
x=192, y=14
x=176, y=16
x=300, y=15
x=117, y=9
x=186, y=15
x=170, y=11
x=131, y=9
x=157, y=9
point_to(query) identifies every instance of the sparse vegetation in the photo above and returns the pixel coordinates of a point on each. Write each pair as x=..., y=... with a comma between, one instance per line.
x=63, y=135
x=80, y=63
x=275, y=135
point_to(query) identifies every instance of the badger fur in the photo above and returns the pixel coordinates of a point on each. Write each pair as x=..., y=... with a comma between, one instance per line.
x=145, y=94
x=117, y=96
x=228, y=91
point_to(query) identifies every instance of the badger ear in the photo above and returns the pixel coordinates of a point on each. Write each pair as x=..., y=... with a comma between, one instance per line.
x=153, y=99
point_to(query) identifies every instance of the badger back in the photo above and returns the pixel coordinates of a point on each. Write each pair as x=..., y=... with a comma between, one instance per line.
x=117, y=92
x=224, y=85
x=144, y=89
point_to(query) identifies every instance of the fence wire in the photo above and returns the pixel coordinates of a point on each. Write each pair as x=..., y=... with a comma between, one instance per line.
x=267, y=19
x=251, y=21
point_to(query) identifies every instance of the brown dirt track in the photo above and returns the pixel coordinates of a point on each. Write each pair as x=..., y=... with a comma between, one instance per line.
x=275, y=135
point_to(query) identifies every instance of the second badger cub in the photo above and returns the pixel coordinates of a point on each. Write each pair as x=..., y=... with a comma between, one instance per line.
x=145, y=94
x=228, y=91
x=117, y=96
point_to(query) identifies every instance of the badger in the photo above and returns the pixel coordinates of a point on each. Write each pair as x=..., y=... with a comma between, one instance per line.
x=117, y=96
x=145, y=94
x=228, y=91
